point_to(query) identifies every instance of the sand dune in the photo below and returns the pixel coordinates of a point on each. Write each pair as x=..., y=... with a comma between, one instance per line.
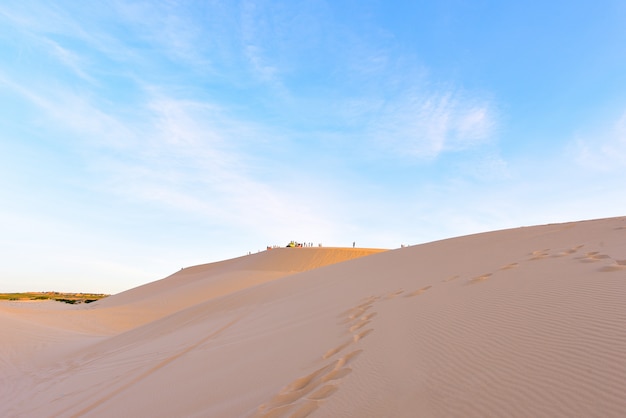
x=523, y=322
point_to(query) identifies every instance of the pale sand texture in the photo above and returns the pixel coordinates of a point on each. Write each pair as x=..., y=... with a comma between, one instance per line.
x=522, y=322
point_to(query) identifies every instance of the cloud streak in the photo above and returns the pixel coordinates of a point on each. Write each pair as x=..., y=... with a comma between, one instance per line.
x=606, y=149
x=425, y=125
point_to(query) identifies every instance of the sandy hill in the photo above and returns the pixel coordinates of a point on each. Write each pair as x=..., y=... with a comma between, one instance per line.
x=196, y=284
x=522, y=322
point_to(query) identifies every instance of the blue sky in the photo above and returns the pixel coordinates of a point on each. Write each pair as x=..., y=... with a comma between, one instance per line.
x=140, y=137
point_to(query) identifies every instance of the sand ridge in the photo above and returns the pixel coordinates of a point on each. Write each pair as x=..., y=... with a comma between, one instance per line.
x=522, y=322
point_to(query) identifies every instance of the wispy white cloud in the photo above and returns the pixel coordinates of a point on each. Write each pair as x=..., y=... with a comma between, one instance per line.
x=68, y=111
x=186, y=155
x=261, y=67
x=70, y=59
x=187, y=158
x=64, y=62
x=425, y=125
x=604, y=150
x=490, y=166
x=257, y=34
x=204, y=152
x=169, y=29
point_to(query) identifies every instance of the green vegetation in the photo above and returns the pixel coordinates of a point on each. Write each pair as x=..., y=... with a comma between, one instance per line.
x=71, y=298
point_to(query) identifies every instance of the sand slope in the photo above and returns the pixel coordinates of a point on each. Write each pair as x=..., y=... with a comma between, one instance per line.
x=522, y=322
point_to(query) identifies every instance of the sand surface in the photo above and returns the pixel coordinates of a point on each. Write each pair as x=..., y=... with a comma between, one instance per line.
x=522, y=322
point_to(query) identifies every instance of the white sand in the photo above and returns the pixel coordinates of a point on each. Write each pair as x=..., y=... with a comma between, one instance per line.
x=522, y=322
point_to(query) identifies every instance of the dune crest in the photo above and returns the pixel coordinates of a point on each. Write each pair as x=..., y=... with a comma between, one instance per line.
x=196, y=284
x=522, y=322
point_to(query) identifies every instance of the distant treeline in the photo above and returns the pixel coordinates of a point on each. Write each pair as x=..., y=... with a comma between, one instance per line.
x=71, y=298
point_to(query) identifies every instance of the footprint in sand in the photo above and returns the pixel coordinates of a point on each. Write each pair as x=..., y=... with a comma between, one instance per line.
x=592, y=257
x=539, y=254
x=618, y=265
x=354, y=314
x=305, y=409
x=417, y=292
x=509, y=266
x=574, y=249
x=287, y=398
x=369, y=316
x=359, y=325
x=361, y=335
x=337, y=374
x=394, y=294
x=337, y=349
x=481, y=278
x=348, y=358
x=323, y=392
